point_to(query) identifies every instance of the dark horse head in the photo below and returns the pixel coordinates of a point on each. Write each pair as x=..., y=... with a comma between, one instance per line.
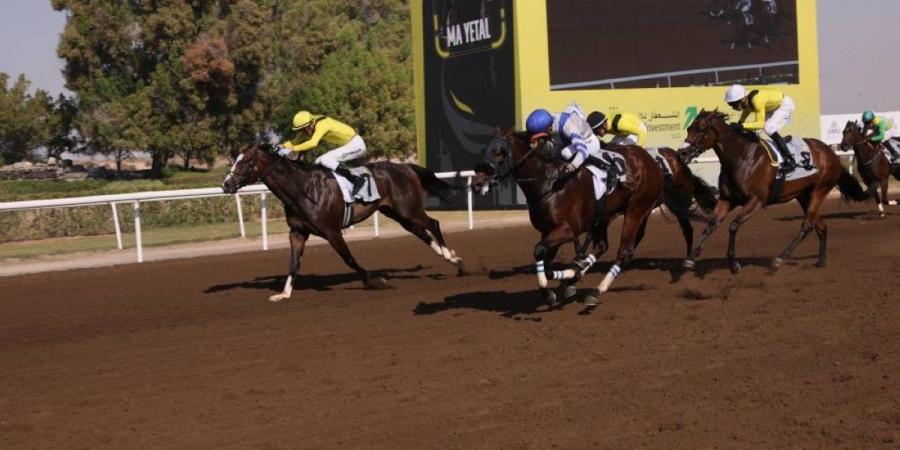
x=853, y=136
x=251, y=164
x=703, y=133
x=505, y=152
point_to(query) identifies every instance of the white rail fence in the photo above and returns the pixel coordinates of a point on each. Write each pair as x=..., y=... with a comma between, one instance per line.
x=136, y=198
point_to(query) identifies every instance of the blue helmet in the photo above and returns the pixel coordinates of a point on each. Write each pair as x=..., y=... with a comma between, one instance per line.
x=539, y=121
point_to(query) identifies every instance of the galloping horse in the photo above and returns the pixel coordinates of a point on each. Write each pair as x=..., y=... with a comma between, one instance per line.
x=562, y=212
x=747, y=178
x=874, y=167
x=313, y=204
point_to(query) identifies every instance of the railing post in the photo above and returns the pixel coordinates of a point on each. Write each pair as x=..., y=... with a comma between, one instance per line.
x=376, y=223
x=138, y=239
x=116, y=223
x=240, y=211
x=469, y=202
x=262, y=218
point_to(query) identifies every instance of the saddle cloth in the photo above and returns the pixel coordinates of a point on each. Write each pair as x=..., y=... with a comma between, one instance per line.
x=801, y=153
x=613, y=163
x=895, y=145
x=662, y=162
x=369, y=191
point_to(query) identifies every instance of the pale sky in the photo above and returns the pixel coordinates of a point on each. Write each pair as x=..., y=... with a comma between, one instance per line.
x=859, y=50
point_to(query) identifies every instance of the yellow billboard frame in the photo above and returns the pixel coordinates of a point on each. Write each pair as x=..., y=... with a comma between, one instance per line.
x=533, y=82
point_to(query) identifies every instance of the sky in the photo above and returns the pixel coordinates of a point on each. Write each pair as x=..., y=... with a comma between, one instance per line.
x=859, y=50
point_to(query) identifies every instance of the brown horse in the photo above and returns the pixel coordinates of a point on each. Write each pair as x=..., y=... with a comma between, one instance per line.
x=313, y=204
x=874, y=167
x=747, y=178
x=562, y=212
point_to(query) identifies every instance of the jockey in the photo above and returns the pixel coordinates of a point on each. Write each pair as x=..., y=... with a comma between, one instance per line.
x=771, y=110
x=626, y=128
x=568, y=128
x=745, y=7
x=880, y=130
x=312, y=129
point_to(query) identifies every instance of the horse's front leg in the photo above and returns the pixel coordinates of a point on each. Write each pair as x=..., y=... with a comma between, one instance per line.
x=748, y=210
x=719, y=213
x=545, y=248
x=298, y=240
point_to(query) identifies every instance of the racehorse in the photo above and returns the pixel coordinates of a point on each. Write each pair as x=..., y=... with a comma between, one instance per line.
x=563, y=211
x=873, y=165
x=747, y=178
x=313, y=204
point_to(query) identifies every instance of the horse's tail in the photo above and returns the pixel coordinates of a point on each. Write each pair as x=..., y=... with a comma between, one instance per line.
x=434, y=185
x=850, y=187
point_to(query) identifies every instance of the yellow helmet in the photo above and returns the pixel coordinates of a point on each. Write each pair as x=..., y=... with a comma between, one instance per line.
x=302, y=120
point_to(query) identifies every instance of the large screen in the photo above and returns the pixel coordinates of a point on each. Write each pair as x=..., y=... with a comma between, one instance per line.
x=616, y=44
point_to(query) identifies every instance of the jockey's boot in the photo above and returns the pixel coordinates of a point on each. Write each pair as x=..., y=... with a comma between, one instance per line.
x=788, y=160
x=357, y=181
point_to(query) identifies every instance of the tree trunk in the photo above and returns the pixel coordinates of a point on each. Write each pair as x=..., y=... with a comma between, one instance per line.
x=158, y=163
x=187, y=160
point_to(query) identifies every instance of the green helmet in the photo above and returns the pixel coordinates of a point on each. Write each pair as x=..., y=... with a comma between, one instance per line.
x=868, y=117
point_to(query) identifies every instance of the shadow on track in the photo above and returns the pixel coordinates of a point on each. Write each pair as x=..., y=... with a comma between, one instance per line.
x=847, y=215
x=315, y=282
x=671, y=265
x=509, y=305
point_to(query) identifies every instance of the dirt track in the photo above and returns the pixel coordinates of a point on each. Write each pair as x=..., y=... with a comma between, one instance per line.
x=189, y=354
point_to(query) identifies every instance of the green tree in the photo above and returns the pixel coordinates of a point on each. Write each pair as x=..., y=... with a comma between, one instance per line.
x=168, y=76
x=26, y=120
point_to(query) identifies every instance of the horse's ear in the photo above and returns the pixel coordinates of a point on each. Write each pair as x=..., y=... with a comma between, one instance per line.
x=509, y=132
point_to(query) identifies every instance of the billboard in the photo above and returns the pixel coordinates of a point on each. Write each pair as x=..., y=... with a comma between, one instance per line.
x=662, y=60
x=660, y=44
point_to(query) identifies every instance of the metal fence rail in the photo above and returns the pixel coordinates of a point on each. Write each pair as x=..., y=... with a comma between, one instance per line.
x=136, y=198
x=668, y=75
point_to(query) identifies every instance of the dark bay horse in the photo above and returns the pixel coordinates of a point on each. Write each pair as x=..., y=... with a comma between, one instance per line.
x=313, y=204
x=562, y=212
x=747, y=178
x=874, y=167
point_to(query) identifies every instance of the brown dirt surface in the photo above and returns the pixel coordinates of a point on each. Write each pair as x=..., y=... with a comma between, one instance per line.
x=189, y=354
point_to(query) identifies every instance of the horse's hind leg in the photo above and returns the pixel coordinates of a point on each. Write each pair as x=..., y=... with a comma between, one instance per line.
x=884, y=195
x=545, y=248
x=434, y=227
x=748, y=210
x=420, y=226
x=298, y=240
x=336, y=239
x=634, y=221
x=810, y=205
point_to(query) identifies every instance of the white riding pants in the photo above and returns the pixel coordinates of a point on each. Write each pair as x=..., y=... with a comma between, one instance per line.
x=776, y=120
x=593, y=148
x=354, y=149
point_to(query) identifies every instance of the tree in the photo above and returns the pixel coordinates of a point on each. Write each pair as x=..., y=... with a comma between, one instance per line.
x=26, y=120
x=168, y=76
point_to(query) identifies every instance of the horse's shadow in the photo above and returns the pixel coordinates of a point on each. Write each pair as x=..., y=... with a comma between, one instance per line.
x=847, y=215
x=508, y=304
x=275, y=283
x=705, y=267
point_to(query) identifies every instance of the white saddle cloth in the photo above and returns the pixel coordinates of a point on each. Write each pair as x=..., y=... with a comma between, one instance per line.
x=369, y=191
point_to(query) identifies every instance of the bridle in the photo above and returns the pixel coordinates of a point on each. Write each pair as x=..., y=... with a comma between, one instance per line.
x=507, y=155
x=252, y=161
x=694, y=148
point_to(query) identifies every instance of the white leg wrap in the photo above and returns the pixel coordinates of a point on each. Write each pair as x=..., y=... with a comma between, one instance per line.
x=881, y=208
x=541, y=276
x=587, y=263
x=567, y=274
x=609, y=278
x=437, y=248
x=286, y=293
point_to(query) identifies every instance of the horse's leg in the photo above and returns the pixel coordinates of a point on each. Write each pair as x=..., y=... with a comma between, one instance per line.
x=298, y=240
x=719, y=213
x=687, y=231
x=434, y=227
x=336, y=239
x=810, y=204
x=545, y=248
x=748, y=210
x=885, y=178
x=420, y=228
x=634, y=220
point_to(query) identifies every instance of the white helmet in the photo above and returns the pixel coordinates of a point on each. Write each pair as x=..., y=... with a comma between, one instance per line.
x=734, y=93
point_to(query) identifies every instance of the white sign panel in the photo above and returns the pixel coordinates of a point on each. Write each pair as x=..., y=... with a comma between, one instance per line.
x=833, y=124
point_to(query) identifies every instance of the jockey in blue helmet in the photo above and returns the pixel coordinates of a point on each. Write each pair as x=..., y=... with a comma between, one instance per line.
x=569, y=129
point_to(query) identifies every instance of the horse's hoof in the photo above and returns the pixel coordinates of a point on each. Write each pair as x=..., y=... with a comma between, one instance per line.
x=569, y=292
x=777, y=263
x=735, y=267
x=278, y=297
x=688, y=264
x=592, y=299
x=550, y=298
x=892, y=203
x=377, y=283
x=820, y=263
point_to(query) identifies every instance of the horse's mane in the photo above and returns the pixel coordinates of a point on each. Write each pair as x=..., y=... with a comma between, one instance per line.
x=715, y=114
